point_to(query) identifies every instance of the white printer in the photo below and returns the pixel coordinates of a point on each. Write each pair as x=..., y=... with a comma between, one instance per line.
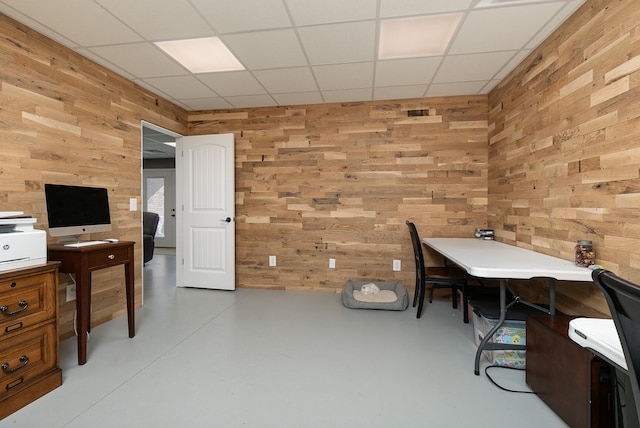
x=20, y=244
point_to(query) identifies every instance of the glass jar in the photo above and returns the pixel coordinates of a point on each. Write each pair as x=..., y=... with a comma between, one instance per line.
x=584, y=255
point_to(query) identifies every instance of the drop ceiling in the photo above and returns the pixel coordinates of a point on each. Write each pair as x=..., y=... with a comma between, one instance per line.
x=295, y=51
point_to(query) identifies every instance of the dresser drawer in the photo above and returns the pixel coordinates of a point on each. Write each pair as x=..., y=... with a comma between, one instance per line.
x=107, y=257
x=26, y=357
x=26, y=301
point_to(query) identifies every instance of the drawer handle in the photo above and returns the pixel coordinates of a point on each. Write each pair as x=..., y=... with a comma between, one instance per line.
x=14, y=383
x=23, y=359
x=12, y=328
x=23, y=307
x=111, y=257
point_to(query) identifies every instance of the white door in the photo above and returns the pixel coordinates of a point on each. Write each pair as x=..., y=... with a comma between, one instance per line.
x=205, y=181
x=160, y=198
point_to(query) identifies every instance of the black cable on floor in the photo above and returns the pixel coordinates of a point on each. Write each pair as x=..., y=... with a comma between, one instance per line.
x=486, y=371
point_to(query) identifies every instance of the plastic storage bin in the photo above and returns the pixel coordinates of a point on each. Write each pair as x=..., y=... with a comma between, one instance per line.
x=512, y=331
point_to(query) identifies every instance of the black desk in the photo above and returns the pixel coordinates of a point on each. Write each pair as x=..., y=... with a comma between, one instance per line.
x=81, y=261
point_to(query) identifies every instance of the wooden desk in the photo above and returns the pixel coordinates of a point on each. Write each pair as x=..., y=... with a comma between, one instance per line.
x=496, y=260
x=81, y=261
x=571, y=380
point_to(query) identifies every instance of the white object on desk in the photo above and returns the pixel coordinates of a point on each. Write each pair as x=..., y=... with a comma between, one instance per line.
x=493, y=259
x=601, y=336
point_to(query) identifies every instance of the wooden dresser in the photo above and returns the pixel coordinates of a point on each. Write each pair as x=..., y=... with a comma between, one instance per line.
x=572, y=380
x=29, y=348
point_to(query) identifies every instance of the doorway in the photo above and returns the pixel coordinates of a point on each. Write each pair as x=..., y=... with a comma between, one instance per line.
x=158, y=181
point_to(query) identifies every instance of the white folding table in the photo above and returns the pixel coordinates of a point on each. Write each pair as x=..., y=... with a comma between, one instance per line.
x=495, y=260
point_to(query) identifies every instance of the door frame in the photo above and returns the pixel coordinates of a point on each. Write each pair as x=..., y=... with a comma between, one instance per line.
x=175, y=135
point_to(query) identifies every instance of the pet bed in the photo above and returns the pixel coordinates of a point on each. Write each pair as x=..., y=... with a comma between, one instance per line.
x=392, y=296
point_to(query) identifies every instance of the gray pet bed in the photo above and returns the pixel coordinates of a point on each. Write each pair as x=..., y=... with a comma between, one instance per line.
x=400, y=304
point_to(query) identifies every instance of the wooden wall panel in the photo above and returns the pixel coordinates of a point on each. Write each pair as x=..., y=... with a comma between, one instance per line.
x=564, y=152
x=340, y=180
x=64, y=119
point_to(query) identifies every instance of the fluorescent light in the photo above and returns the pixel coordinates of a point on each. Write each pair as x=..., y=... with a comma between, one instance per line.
x=415, y=37
x=204, y=55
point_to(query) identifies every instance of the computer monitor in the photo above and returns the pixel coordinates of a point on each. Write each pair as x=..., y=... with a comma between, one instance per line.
x=77, y=210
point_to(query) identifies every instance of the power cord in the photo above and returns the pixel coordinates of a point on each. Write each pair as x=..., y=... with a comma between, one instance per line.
x=486, y=372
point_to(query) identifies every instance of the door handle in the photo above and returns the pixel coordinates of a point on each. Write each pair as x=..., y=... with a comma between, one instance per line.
x=228, y=219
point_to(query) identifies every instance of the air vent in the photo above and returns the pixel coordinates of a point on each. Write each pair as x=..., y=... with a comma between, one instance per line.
x=423, y=112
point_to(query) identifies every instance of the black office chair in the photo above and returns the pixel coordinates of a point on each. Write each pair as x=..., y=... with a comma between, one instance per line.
x=437, y=276
x=623, y=299
x=150, y=222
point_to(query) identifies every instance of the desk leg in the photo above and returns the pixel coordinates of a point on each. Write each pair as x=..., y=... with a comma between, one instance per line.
x=83, y=310
x=488, y=336
x=552, y=296
x=129, y=280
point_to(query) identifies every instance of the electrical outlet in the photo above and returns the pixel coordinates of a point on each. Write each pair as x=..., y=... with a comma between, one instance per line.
x=272, y=261
x=71, y=292
x=332, y=263
x=396, y=265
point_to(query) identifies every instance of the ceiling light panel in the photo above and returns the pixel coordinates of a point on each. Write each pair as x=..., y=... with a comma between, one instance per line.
x=203, y=55
x=415, y=37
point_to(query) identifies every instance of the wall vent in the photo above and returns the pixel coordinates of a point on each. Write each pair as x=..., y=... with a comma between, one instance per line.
x=423, y=112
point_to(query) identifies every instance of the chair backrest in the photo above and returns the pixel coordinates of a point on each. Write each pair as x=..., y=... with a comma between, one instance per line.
x=417, y=248
x=623, y=299
x=150, y=222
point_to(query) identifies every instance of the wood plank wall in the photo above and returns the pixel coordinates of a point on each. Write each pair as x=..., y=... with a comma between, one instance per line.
x=339, y=181
x=64, y=119
x=564, y=134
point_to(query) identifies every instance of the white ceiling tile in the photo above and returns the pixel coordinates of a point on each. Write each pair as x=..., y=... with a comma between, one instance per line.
x=554, y=23
x=298, y=98
x=457, y=88
x=251, y=101
x=338, y=43
x=243, y=15
x=140, y=59
x=88, y=25
x=484, y=30
x=344, y=76
x=488, y=87
x=338, y=37
x=286, y=80
x=395, y=8
x=509, y=66
x=37, y=26
x=207, y=103
x=399, y=92
x=406, y=71
x=471, y=67
x=347, y=95
x=181, y=87
x=233, y=83
x=103, y=62
x=310, y=12
x=151, y=88
x=158, y=20
x=266, y=49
